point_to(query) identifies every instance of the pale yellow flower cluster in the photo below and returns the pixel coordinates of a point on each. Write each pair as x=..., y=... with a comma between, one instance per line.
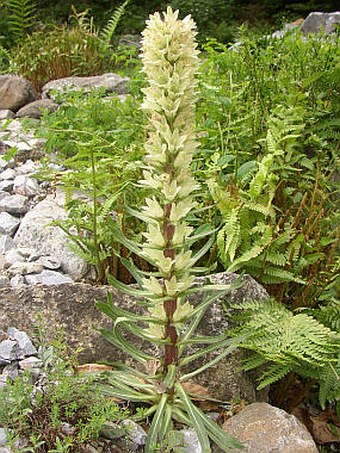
x=170, y=62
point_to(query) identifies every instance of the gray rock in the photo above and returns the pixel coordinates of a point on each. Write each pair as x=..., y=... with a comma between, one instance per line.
x=12, y=256
x=72, y=307
x=47, y=277
x=50, y=262
x=14, y=204
x=3, y=162
x=11, y=371
x=7, y=185
x=3, y=437
x=29, y=363
x=28, y=167
x=267, y=429
x=6, y=244
x=9, y=351
x=112, y=83
x=6, y=450
x=9, y=173
x=5, y=114
x=135, y=433
x=26, y=186
x=4, y=281
x=36, y=231
x=191, y=442
x=21, y=268
x=17, y=281
x=36, y=109
x=15, y=92
x=3, y=382
x=8, y=223
x=316, y=20
x=23, y=341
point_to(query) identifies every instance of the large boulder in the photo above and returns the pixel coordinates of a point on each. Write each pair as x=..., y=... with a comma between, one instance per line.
x=263, y=428
x=315, y=21
x=111, y=83
x=15, y=92
x=71, y=306
x=36, y=232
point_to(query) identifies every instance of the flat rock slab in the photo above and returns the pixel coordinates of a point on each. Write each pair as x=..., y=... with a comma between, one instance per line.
x=72, y=307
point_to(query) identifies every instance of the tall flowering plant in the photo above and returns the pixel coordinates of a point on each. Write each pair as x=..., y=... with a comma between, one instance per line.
x=170, y=59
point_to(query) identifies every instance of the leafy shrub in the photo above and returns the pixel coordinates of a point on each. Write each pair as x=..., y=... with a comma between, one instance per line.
x=98, y=140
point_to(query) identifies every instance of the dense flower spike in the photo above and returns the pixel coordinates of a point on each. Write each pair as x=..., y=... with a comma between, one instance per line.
x=170, y=62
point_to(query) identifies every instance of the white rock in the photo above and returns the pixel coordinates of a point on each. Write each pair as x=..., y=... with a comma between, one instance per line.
x=24, y=185
x=36, y=231
x=5, y=114
x=13, y=256
x=23, y=341
x=135, y=433
x=25, y=268
x=47, y=277
x=191, y=442
x=29, y=167
x=6, y=244
x=14, y=204
x=7, y=185
x=17, y=280
x=8, y=223
x=4, y=281
x=50, y=262
x=9, y=173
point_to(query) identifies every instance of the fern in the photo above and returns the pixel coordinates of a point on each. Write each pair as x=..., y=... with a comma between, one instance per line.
x=288, y=342
x=22, y=15
x=108, y=31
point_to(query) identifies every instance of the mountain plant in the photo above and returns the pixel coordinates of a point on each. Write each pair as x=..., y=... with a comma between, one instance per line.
x=170, y=62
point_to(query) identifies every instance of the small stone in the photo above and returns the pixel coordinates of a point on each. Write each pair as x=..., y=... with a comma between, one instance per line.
x=21, y=268
x=8, y=223
x=24, y=185
x=191, y=442
x=3, y=381
x=17, y=280
x=50, y=262
x=111, y=431
x=11, y=371
x=6, y=244
x=13, y=256
x=3, y=162
x=7, y=185
x=26, y=252
x=6, y=450
x=47, y=277
x=29, y=363
x=135, y=433
x=3, y=437
x=4, y=281
x=9, y=173
x=9, y=350
x=5, y=114
x=14, y=204
x=29, y=167
x=23, y=341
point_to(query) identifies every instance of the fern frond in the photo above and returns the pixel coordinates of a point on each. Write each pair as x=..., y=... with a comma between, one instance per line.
x=108, y=31
x=287, y=341
x=21, y=16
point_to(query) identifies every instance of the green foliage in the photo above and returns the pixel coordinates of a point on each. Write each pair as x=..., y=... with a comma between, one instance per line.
x=21, y=15
x=64, y=397
x=98, y=140
x=284, y=341
x=269, y=162
x=213, y=18
x=108, y=31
